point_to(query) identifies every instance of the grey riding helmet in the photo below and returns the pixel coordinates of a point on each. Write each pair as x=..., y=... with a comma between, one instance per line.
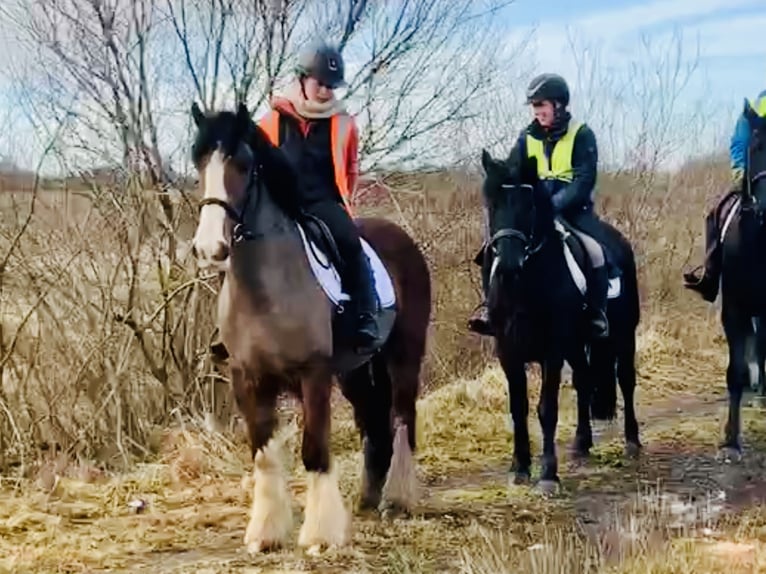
x=324, y=63
x=548, y=87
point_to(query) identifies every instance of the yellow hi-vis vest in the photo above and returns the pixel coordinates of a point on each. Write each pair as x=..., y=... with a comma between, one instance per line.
x=759, y=106
x=560, y=165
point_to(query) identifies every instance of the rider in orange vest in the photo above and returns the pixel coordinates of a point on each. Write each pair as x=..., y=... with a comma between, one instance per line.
x=320, y=138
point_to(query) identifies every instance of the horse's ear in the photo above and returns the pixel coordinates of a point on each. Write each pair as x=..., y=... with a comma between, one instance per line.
x=197, y=114
x=486, y=161
x=242, y=112
x=530, y=168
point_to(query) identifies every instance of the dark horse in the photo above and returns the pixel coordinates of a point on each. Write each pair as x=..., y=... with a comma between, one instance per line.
x=743, y=276
x=537, y=310
x=282, y=331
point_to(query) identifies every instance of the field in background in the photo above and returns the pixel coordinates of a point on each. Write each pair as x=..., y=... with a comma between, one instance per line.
x=108, y=396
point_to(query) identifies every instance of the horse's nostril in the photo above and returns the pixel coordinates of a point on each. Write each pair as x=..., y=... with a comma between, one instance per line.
x=221, y=253
x=194, y=251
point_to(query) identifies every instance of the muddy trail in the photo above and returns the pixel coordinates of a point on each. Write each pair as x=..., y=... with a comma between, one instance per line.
x=197, y=523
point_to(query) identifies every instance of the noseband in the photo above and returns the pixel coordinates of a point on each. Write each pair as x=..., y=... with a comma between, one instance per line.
x=240, y=231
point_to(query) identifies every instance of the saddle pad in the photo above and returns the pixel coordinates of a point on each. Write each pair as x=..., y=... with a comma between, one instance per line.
x=729, y=216
x=329, y=279
x=578, y=276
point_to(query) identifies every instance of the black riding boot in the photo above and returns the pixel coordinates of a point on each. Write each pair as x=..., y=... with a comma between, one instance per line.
x=364, y=299
x=478, y=322
x=597, y=302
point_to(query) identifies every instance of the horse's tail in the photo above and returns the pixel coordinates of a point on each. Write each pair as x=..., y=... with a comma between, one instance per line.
x=603, y=406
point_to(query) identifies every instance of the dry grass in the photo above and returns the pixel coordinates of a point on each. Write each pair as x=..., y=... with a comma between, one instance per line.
x=99, y=414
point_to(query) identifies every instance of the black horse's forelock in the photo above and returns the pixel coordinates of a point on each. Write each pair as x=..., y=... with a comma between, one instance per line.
x=219, y=129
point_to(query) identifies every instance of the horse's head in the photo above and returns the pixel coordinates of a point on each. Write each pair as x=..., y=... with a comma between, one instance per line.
x=512, y=201
x=225, y=162
x=755, y=183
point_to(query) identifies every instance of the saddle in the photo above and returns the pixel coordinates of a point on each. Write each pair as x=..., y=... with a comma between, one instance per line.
x=580, y=254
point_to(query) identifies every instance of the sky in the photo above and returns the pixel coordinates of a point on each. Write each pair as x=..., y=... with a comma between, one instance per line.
x=724, y=38
x=613, y=78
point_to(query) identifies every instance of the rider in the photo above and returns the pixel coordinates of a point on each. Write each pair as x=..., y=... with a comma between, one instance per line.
x=707, y=284
x=567, y=157
x=321, y=140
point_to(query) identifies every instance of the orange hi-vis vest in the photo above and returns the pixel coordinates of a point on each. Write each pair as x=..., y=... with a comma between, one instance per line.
x=341, y=128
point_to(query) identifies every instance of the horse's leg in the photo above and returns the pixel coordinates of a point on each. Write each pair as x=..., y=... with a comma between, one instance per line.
x=516, y=376
x=548, y=415
x=271, y=517
x=760, y=335
x=371, y=399
x=402, y=372
x=581, y=381
x=737, y=329
x=326, y=521
x=626, y=375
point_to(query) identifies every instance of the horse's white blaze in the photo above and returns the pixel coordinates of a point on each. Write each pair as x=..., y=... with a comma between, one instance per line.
x=327, y=522
x=209, y=239
x=271, y=517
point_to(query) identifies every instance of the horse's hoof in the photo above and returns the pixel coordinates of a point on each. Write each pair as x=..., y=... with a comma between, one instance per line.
x=520, y=478
x=729, y=455
x=632, y=449
x=579, y=454
x=548, y=487
x=368, y=503
x=391, y=511
x=256, y=547
x=758, y=401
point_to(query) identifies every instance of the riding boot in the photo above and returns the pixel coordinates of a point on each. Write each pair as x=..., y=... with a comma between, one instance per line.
x=707, y=284
x=478, y=322
x=597, y=302
x=365, y=300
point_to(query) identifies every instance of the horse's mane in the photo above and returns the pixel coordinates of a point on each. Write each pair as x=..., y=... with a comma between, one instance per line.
x=523, y=171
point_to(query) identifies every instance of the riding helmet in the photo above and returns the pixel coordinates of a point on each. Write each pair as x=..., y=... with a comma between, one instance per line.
x=322, y=62
x=548, y=87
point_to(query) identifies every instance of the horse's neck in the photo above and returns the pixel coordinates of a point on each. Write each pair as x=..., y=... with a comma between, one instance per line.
x=272, y=265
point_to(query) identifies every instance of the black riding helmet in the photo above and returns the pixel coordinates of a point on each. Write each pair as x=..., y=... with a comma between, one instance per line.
x=548, y=87
x=323, y=63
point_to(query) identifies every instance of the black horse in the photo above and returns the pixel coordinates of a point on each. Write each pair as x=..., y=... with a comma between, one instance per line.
x=743, y=275
x=536, y=309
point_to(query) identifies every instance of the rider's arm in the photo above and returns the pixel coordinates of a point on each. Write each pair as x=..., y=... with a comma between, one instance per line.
x=352, y=160
x=584, y=166
x=740, y=139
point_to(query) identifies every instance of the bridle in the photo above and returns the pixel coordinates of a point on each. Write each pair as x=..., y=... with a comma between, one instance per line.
x=240, y=231
x=527, y=241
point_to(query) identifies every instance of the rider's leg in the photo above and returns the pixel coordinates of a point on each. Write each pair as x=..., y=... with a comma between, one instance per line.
x=355, y=272
x=598, y=278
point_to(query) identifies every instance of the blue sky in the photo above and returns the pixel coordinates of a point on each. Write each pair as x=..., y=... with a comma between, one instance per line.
x=730, y=32
x=732, y=63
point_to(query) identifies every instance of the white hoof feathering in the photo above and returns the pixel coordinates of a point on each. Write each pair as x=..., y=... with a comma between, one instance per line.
x=327, y=522
x=401, y=487
x=271, y=517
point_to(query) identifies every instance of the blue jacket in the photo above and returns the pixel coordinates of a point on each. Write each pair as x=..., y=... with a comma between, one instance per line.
x=740, y=140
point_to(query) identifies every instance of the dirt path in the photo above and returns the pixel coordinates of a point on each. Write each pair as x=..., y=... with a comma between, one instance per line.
x=200, y=529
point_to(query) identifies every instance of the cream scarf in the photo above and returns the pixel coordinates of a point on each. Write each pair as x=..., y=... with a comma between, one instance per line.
x=310, y=109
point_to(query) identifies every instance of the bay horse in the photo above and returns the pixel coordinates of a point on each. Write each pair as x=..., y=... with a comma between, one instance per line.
x=280, y=315
x=536, y=310
x=743, y=276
